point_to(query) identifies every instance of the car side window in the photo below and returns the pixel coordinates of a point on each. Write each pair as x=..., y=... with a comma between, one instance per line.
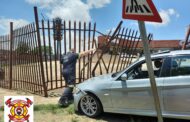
x=140, y=71
x=180, y=66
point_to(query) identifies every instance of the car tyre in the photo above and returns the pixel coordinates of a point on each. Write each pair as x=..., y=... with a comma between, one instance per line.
x=90, y=106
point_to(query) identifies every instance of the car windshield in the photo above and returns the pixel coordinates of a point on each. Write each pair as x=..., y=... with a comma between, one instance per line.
x=116, y=73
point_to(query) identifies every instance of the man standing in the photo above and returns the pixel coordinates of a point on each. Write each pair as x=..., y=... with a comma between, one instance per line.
x=69, y=73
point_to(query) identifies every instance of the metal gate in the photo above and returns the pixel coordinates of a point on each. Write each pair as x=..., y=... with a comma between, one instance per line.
x=80, y=36
x=4, y=61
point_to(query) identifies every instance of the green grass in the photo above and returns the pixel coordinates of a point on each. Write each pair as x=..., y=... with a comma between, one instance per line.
x=53, y=108
x=59, y=111
x=1, y=116
x=1, y=108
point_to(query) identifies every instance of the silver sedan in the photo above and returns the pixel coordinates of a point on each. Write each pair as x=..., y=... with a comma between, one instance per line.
x=129, y=92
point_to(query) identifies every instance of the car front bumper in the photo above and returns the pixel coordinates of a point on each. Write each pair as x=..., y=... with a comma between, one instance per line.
x=77, y=97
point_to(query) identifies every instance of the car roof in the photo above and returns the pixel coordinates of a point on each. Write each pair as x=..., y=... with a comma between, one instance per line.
x=168, y=53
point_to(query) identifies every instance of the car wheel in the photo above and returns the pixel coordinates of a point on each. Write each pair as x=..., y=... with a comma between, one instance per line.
x=90, y=105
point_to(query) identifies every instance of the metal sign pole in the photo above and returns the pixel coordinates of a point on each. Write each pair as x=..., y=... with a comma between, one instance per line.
x=186, y=38
x=150, y=69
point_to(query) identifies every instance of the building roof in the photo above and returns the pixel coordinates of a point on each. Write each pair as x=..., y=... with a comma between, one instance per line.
x=153, y=44
x=163, y=44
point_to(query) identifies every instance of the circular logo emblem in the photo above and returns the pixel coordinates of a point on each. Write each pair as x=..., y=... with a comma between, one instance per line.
x=19, y=109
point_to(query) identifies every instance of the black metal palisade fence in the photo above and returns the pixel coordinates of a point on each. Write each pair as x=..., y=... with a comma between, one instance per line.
x=30, y=55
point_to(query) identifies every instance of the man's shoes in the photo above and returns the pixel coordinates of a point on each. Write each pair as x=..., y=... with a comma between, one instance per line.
x=65, y=101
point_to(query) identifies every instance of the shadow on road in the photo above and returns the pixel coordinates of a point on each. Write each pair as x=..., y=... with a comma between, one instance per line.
x=110, y=117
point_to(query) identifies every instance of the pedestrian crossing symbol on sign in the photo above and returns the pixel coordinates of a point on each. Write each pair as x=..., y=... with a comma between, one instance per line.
x=143, y=10
x=140, y=7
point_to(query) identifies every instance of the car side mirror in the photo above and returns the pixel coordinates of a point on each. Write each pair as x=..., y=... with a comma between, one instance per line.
x=123, y=77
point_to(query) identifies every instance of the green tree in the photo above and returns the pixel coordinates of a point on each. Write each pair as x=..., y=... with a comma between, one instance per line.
x=45, y=50
x=22, y=47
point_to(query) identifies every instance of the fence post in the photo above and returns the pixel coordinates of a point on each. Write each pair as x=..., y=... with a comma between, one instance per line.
x=10, y=56
x=40, y=50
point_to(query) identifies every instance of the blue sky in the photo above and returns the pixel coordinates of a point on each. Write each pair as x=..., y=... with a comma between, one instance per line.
x=106, y=13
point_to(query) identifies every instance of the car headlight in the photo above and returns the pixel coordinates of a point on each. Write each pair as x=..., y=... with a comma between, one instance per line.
x=76, y=90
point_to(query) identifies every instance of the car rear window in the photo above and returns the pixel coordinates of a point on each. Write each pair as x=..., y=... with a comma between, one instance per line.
x=180, y=66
